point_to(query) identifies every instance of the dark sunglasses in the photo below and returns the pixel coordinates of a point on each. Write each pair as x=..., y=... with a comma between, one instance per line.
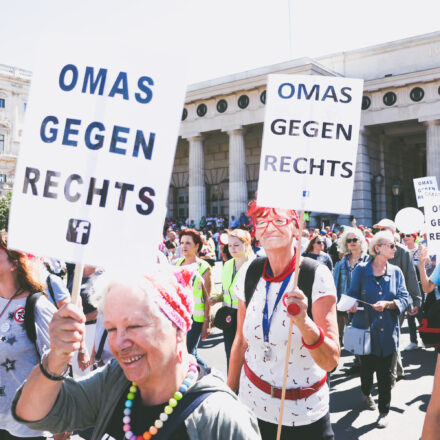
x=406, y=235
x=354, y=240
x=319, y=242
x=390, y=245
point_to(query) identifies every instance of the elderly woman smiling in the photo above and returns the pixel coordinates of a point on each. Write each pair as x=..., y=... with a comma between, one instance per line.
x=154, y=390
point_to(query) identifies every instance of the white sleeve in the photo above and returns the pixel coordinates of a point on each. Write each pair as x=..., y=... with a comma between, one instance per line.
x=324, y=284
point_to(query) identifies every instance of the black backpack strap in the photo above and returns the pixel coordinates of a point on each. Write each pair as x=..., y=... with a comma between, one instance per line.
x=29, y=318
x=98, y=354
x=253, y=275
x=186, y=406
x=306, y=279
x=51, y=292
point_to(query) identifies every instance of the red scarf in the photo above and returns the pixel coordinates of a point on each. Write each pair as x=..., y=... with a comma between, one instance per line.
x=267, y=274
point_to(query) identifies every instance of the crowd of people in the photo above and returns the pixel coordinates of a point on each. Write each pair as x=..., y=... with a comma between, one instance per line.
x=124, y=363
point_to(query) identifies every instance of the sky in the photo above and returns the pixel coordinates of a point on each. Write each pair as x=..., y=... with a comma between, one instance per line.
x=214, y=38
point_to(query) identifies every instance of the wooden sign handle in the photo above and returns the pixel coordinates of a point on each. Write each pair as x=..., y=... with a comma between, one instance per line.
x=77, y=278
x=294, y=309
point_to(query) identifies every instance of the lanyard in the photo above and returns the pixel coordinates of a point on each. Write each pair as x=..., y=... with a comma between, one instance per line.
x=266, y=319
x=17, y=292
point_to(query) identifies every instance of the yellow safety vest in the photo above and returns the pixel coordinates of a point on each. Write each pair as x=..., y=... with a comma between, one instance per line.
x=228, y=284
x=199, y=302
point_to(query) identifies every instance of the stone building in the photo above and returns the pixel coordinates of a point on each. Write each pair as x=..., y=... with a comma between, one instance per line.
x=14, y=89
x=217, y=159
x=218, y=152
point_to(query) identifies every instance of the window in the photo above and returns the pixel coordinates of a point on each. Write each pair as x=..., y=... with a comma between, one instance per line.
x=2, y=103
x=2, y=143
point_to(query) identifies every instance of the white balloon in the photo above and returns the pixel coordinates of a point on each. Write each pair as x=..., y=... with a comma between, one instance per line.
x=409, y=220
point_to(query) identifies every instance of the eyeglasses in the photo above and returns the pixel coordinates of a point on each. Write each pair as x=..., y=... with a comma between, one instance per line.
x=277, y=222
x=390, y=245
x=354, y=240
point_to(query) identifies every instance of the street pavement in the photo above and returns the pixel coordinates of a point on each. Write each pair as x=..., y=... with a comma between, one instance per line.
x=410, y=397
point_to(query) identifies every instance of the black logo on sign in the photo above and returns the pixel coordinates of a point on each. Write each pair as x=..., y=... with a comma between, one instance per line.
x=78, y=231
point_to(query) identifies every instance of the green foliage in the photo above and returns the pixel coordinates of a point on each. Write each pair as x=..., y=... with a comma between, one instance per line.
x=5, y=204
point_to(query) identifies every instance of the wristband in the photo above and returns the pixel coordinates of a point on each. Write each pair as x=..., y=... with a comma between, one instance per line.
x=48, y=374
x=316, y=344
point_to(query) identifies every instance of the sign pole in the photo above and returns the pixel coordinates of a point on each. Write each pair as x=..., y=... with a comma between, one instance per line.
x=77, y=278
x=293, y=311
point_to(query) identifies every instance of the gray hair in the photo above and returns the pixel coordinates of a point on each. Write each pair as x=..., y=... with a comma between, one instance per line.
x=132, y=281
x=378, y=239
x=342, y=240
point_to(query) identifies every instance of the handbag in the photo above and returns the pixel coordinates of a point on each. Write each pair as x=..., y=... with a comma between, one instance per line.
x=358, y=340
x=226, y=319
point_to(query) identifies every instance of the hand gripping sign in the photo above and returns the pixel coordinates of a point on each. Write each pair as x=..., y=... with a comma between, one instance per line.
x=308, y=156
x=95, y=163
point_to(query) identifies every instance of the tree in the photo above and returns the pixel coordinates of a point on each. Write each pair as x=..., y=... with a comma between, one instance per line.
x=5, y=204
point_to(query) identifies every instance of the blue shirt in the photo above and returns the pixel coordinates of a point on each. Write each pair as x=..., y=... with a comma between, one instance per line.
x=343, y=272
x=435, y=276
x=384, y=326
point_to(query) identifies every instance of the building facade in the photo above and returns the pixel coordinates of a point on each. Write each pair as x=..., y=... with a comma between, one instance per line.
x=14, y=90
x=218, y=152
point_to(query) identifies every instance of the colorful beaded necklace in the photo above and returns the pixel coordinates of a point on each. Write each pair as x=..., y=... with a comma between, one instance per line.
x=190, y=379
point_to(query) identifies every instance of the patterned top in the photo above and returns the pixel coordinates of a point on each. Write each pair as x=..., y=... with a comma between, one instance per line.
x=18, y=356
x=302, y=372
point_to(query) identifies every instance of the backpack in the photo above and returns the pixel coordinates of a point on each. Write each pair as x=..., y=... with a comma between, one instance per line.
x=429, y=330
x=29, y=318
x=306, y=278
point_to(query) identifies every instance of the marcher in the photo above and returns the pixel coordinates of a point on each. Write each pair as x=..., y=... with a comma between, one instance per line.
x=18, y=354
x=354, y=247
x=403, y=260
x=259, y=349
x=384, y=287
x=315, y=250
x=239, y=245
x=146, y=392
x=191, y=244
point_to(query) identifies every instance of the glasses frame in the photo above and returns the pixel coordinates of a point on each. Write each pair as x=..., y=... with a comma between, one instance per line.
x=288, y=220
x=389, y=245
x=354, y=240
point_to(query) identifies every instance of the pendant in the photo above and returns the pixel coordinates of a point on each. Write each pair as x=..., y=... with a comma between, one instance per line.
x=5, y=327
x=267, y=352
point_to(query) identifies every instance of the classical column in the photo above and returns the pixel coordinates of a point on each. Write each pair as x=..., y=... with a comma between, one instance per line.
x=381, y=191
x=433, y=148
x=197, y=190
x=361, y=204
x=238, y=195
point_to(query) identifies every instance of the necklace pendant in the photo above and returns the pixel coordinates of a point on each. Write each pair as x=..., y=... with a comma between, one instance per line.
x=267, y=352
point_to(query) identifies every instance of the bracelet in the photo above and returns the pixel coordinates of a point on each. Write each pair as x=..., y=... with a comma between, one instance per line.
x=49, y=375
x=316, y=344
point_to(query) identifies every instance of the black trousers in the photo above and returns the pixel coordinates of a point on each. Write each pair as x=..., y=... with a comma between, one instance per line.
x=319, y=430
x=5, y=435
x=382, y=367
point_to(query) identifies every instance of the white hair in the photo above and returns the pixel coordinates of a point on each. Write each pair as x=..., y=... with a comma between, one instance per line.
x=132, y=281
x=342, y=240
x=378, y=239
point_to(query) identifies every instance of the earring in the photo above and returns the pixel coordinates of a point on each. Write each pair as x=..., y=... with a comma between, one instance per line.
x=180, y=355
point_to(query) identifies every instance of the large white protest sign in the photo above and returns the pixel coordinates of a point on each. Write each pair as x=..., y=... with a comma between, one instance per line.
x=423, y=185
x=310, y=142
x=95, y=163
x=432, y=221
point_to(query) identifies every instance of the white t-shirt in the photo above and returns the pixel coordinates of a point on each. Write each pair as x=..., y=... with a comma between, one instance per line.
x=302, y=372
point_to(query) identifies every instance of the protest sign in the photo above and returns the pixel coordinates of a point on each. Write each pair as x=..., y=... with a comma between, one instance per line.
x=97, y=154
x=432, y=221
x=423, y=185
x=310, y=141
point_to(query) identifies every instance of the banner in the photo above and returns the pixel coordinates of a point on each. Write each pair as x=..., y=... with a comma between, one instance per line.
x=432, y=221
x=97, y=154
x=423, y=185
x=310, y=141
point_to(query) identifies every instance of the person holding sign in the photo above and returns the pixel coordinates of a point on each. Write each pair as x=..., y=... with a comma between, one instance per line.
x=383, y=285
x=19, y=349
x=259, y=349
x=190, y=245
x=154, y=388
